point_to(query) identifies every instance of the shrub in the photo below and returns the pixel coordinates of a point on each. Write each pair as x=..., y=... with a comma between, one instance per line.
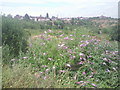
x=114, y=33
x=13, y=36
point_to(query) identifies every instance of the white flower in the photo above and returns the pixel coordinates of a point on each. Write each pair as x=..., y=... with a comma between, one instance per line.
x=25, y=57
x=81, y=54
x=104, y=63
x=68, y=65
x=53, y=67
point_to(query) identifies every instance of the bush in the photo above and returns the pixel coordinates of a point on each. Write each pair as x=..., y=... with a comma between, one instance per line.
x=114, y=33
x=13, y=36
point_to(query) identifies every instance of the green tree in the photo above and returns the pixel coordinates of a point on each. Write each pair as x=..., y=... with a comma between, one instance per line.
x=26, y=17
x=47, y=15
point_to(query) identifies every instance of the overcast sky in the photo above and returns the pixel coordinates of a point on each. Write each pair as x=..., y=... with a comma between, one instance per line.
x=61, y=8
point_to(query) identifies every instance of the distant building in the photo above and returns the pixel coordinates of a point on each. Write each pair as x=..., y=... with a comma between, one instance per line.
x=18, y=17
x=66, y=19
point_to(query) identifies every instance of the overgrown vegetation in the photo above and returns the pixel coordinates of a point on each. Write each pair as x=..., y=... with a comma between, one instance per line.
x=14, y=38
x=59, y=55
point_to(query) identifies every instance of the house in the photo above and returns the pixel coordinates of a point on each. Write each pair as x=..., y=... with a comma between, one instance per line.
x=18, y=17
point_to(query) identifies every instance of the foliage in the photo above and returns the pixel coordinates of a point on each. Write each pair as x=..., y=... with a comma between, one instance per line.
x=74, y=56
x=26, y=17
x=13, y=36
x=115, y=33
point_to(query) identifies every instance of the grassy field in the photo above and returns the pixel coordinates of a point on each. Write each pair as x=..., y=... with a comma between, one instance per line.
x=64, y=58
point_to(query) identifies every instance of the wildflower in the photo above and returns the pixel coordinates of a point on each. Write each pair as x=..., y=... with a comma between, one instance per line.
x=58, y=45
x=44, y=77
x=49, y=39
x=43, y=66
x=61, y=35
x=107, y=70
x=62, y=71
x=71, y=35
x=47, y=70
x=107, y=51
x=90, y=76
x=83, y=35
x=92, y=63
x=45, y=32
x=71, y=39
x=37, y=75
x=88, y=61
x=72, y=57
x=83, y=73
x=66, y=38
x=81, y=62
x=44, y=54
x=113, y=53
x=79, y=82
x=49, y=30
x=114, y=68
x=84, y=59
x=81, y=41
x=75, y=77
x=41, y=73
x=81, y=54
x=68, y=65
x=62, y=45
x=82, y=45
x=89, y=56
x=81, y=58
x=25, y=57
x=65, y=47
x=50, y=59
x=53, y=67
x=93, y=84
x=105, y=59
x=95, y=43
x=86, y=42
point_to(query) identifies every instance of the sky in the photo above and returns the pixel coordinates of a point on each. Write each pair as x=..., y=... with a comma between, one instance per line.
x=61, y=8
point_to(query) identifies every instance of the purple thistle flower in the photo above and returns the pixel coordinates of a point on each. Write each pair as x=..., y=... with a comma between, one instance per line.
x=71, y=35
x=62, y=71
x=83, y=73
x=84, y=59
x=79, y=82
x=49, y=30
x=72, y=57
x=82, y=45
x=92, y=63
x=50, y=59
x=81, y=58
x=66, y=38
x=93, y=84
x=65, y=47
x=81, y=54
x=105, y=59
x=81, y=62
